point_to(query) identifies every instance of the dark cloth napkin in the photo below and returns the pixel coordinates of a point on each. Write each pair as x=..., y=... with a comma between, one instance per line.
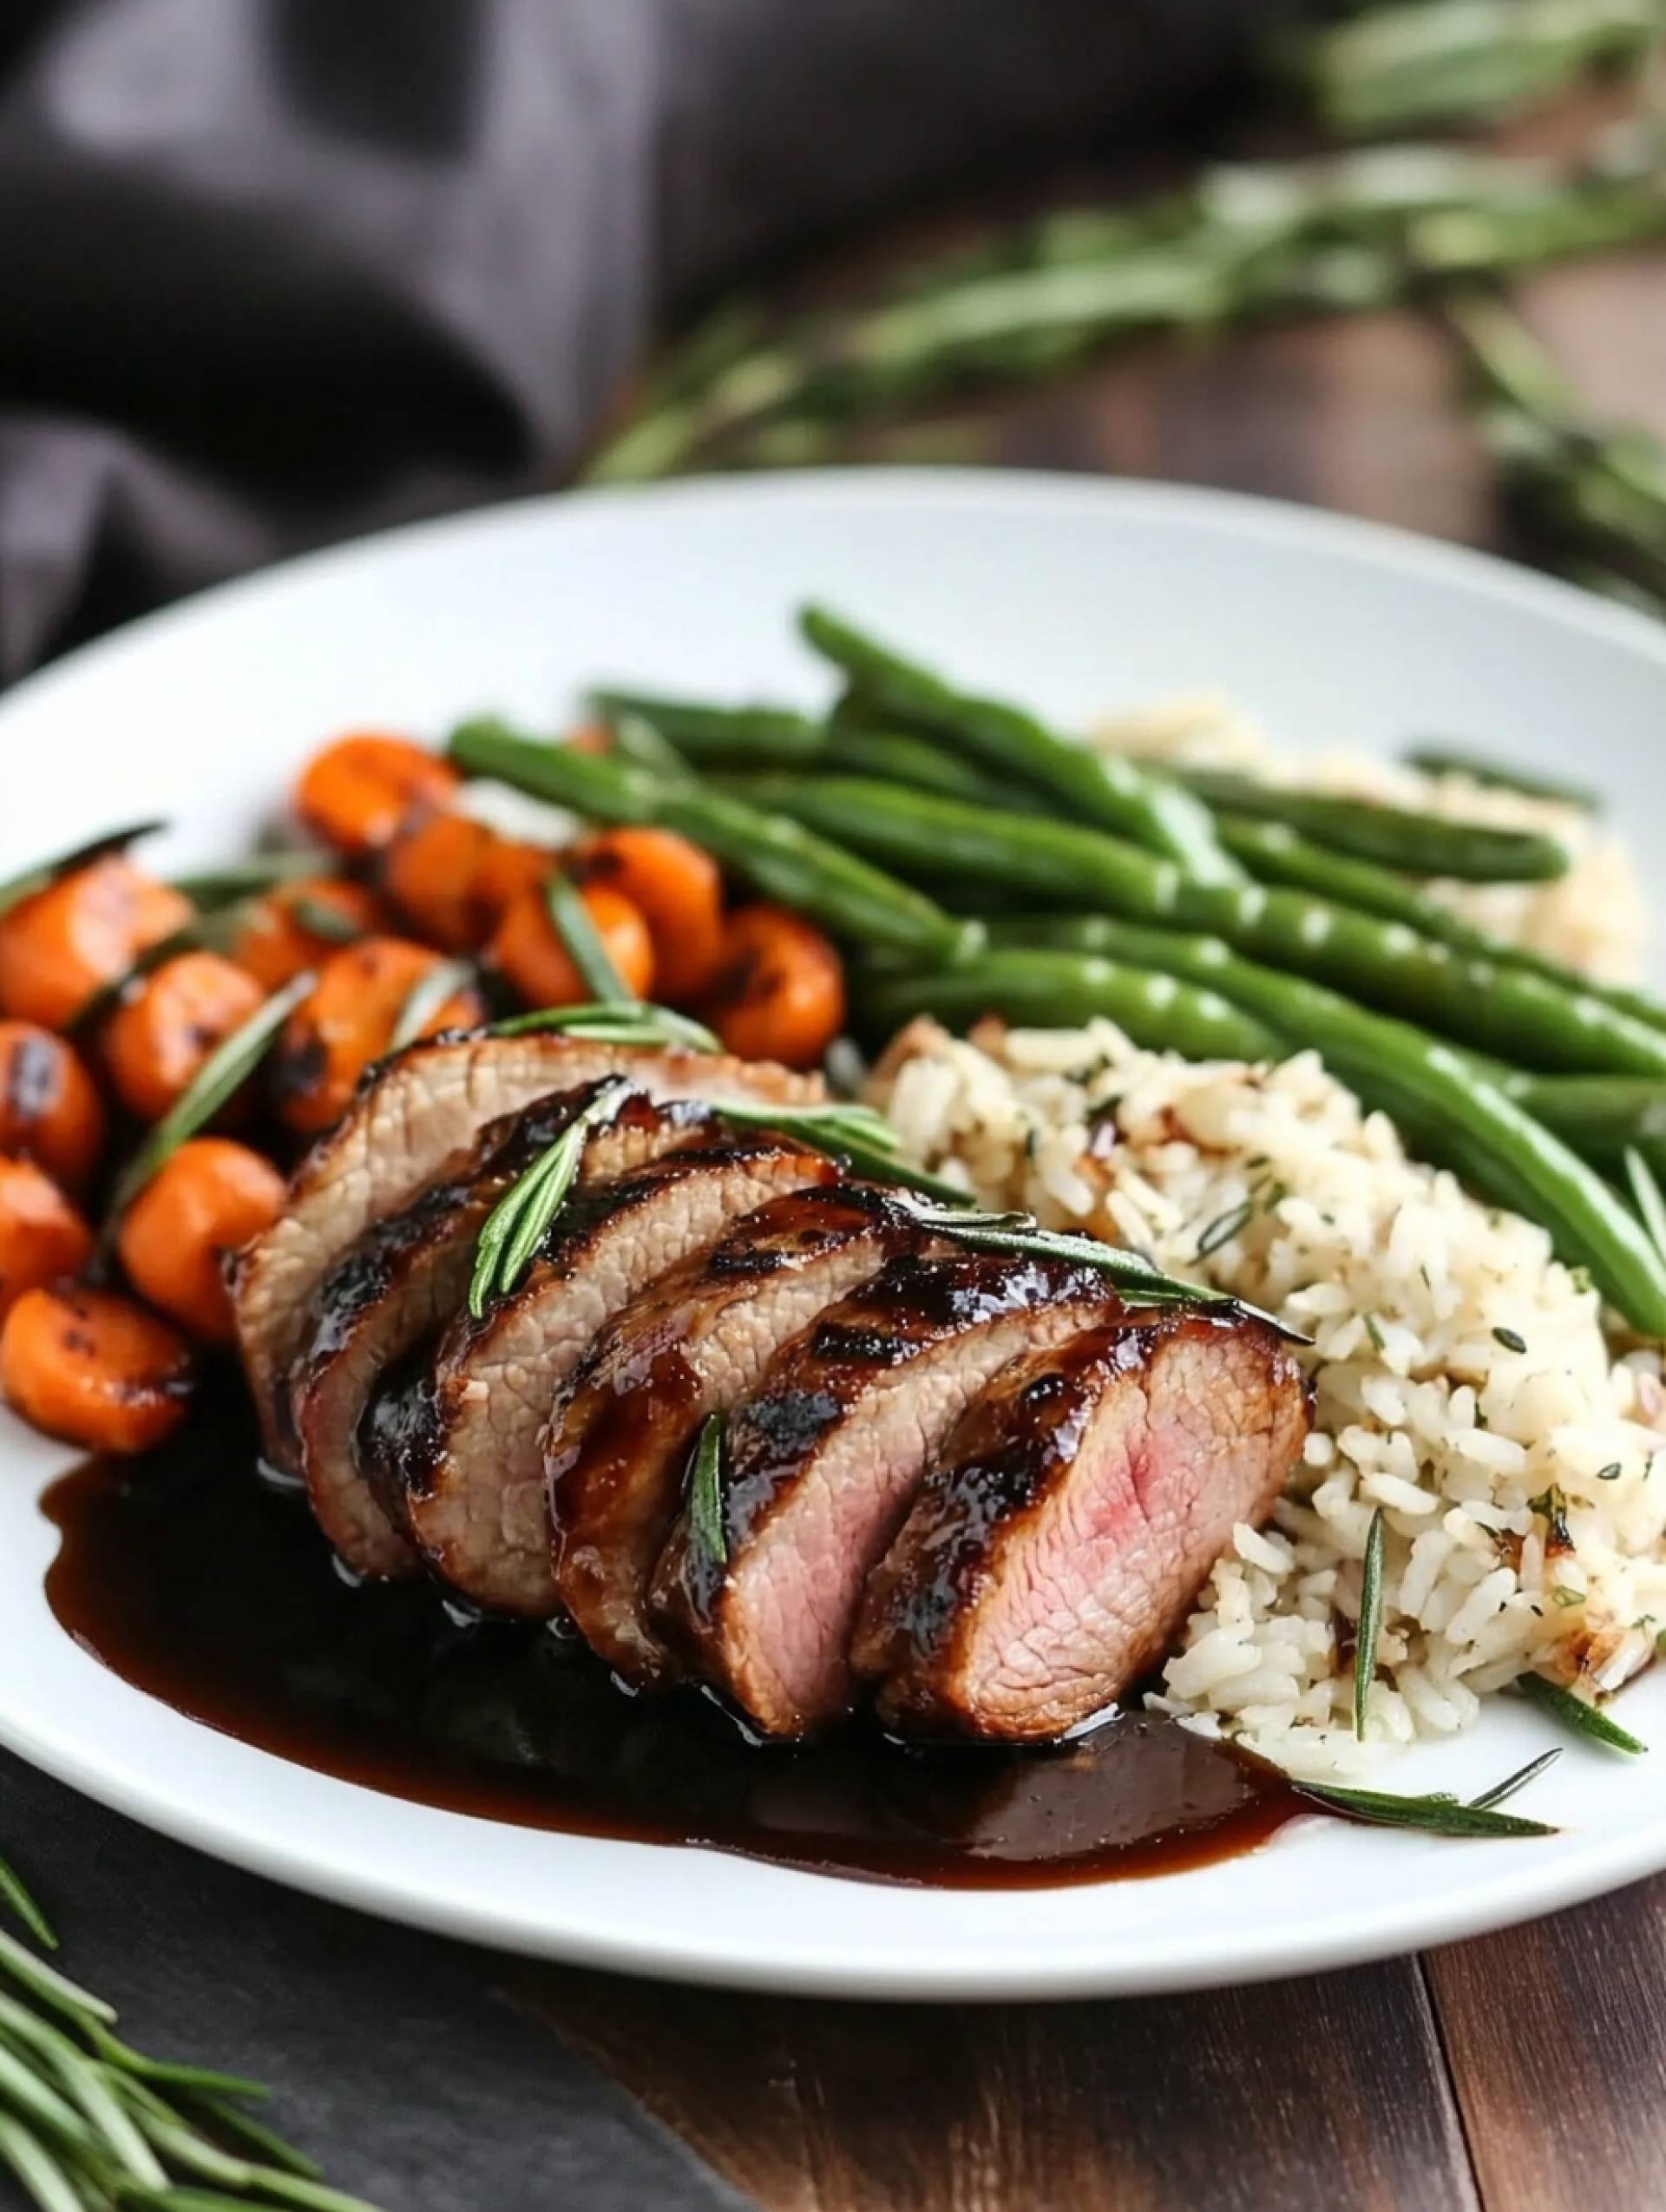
x=277, y=271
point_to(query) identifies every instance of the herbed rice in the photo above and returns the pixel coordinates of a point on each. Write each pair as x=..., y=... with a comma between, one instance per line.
x=1462, y=1378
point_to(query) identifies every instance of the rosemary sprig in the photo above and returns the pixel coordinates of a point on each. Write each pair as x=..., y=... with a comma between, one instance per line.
x=1519, y=1779
x=637, y=1023
x=86, y=2125
x=221, y=1075
x=1437, y=1813
x=322, y=920
x=706, y=1490
x=261, y=871
x=44, y=873
x=1365, y=1641
x=517, y=1225
x=425, y=998
x=1431, y=759
x=1577, y=1714
x=1646, y=1195
x=576, y=928
x=864, y=1140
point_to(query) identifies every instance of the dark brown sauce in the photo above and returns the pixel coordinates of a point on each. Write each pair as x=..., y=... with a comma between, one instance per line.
x=202, y=1585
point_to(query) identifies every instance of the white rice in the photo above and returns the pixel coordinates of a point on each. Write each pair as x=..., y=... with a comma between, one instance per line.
x=1523, y=1490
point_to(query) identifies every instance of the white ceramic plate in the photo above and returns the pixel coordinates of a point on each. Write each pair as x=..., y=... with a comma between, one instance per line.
x=1078, y=596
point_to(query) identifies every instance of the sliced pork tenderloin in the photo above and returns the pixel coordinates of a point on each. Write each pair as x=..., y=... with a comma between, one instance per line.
x=455, y=1436
x=1052, y=1555
x=412, y=1124
x=761, y=1586
x=408, y=1274
x=693, y=1343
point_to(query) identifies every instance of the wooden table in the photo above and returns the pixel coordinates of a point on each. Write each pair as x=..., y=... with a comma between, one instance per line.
x=1525, y=2072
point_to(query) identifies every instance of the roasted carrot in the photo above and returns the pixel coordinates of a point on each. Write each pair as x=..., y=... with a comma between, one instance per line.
x=452, y=877
x=275, y=941
x=94, y=1368
x=167, y=1026
x=42, y=1236
x=677, y=890
x=780, y=991
x=206, y=1200
x=67, y=942
x=357, y=791
x=527, y=948
x=49, y=1109
x=349, y=1021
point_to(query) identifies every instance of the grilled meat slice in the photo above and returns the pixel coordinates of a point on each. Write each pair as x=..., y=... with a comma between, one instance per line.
x=412, y=1125
x=692, y=1344
x=762, y=1584
x=407, y=1275
x=456, y=1436
x=1052, y=1554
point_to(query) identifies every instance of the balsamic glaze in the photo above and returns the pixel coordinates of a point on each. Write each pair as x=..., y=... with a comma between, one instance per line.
x=211, y=1589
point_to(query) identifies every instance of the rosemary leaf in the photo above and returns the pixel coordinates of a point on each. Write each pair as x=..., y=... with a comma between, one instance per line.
x=1431, y=759
x=1365, y=1646
x=23, y=1909
x=44, y=873
x=319, y=919
x=425, y=998
x=221, y=1075
x=553, y=1180
x=1646, y=1195
x=705, y=1491
x=262, y=871
x=575, y=927
x=1577, y=1713
x=639, y=1023
x=1223, y=1229
x=517, y=1225
x=1436, y=1814
x=1519, y=1779
x=819, y=1124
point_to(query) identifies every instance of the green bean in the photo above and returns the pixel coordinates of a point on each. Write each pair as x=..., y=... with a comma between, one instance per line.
x=1525, y=1018
x=778, y=857
x=1435, y=1098
x=902, y=757
x=1422, y=844
x=1602, y=1117
x=1066, y=990
x=1274, y=853
x=772, y=736
x=1431, y=759
x=1113, y=793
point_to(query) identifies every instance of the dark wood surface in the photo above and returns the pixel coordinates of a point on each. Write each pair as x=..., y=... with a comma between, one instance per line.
x=1522, y=2073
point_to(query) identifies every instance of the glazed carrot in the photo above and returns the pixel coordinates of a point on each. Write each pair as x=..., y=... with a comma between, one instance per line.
x=349, y=1021
x=677, y=890
x=94, y=1368
x=357, y=791
x=452, y=877
x=163, y=1031
x=42, y=1236
x=275, y=941
x=49, y=1110
x=60, y=946
x=527, y=948
x=780, y=991
x=206, y=1200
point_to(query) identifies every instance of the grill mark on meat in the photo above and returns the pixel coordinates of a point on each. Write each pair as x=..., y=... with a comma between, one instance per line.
x=1052, y=1553
x=823, y=1461
x=404, y=1279
x=616, y=1449
x=461, y=1449
x=413, y=1123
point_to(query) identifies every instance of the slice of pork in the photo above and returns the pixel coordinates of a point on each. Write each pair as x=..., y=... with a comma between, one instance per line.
x=1052, y=1554
x=412, y=1125
x=692, y=1344
x=457, y=1437
x=762, y=1585
x=408, y=1275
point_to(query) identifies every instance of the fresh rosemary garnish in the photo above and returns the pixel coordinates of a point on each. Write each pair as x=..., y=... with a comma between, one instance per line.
x=1364, y=1642
x=221, y=1075
x=1577, y=1713
x=1509, y=1340
x=705, y=1491
x=425, y=998
x=517, y=1225
x=854, y=1134
x=262, y=871
x=1223, y=1229
x=319, y=919
x=1519, y=1779
x=1646, y=1195
x=576, y=926
x=89, y=2124
x=45, y=873
x=1439, y=1813
x=637, y=1023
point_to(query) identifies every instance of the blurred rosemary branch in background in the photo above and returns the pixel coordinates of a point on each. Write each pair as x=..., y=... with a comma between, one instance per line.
x=1245, y=243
